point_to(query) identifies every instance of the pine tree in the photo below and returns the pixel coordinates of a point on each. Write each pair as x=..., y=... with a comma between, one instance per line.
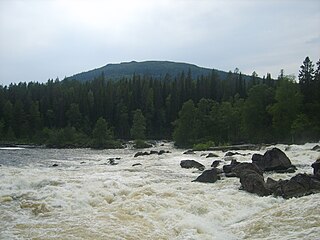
x=306, y=78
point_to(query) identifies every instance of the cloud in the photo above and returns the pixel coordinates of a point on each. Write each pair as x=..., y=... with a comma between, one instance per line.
x=45, y=39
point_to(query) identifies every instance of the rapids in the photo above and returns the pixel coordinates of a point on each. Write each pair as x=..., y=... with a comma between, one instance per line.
x=85, y=197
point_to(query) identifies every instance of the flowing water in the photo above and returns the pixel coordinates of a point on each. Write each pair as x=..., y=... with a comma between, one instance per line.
x=85, y=197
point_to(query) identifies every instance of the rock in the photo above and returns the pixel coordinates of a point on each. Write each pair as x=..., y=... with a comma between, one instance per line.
x=161, y=152
x=229, y=154
x=136, y=164
x=272, y=160
x=253, y=182
x=138, y=154
x=153, y=152
x=298, y=186
x=191, y=164
x=228, y=168
x=316, y=168
x=189, y=152
x=215, y=163
x=208, y=176
x=241, y=167
x=55, y=165
x=112, y=161
x=83, y=162
x=316, y=148
x=291, y=169
x=256, y=157
x=210, y=155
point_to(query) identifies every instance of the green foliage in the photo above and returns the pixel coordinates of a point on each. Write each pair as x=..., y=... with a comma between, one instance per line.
x=102, y=135
x=141, y=144
x=286, y=108
x=185, y=133
x=203, y=146
x=223, y=108
x=138, y=130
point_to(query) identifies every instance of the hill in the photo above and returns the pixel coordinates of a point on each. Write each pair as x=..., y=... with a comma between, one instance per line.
x=154, y=69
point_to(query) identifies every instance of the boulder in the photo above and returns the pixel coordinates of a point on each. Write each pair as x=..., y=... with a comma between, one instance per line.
x=241, y=167
x=55, y=165
x=316, y=148
x=210, y=155
x=138, y=154
x=192, y=164
x=253, y=182
x=229, y=154
x=208, y=176
x=136, y=164
x=215, y=163
x=189, y=152
x=316, y=168
x=272, y=160
x=298, y=186
x=228, y=168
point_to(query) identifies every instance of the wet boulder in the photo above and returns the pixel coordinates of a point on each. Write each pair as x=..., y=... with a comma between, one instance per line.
x=253, y=182
x=192, y=164
x=242, y=167
x=272, y=160
x=316, y=168
x=215, y=163
x=138, y=154
x=228, y=168
x=208, y=176
x=210, y=155
x=298, y=186
x=189, y=152
x=316, y=148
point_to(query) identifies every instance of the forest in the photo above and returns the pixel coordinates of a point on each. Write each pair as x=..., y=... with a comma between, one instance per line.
x=198, y=113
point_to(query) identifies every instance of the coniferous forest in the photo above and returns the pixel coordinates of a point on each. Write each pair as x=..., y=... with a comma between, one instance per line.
x=200, y=112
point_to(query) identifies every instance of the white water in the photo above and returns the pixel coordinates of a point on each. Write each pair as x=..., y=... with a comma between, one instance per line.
x=85, y=198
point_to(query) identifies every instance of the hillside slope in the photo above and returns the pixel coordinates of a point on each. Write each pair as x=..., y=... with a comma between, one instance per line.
x=155, y=69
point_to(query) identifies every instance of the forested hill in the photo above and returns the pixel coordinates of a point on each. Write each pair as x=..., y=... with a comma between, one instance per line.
x=154, y=69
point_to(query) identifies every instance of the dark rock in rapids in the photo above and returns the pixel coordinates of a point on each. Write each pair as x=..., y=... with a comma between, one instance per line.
x=316, y=148
x=298, y=186
x=230, y=154
x=228, y=168
x=215, y=163
x=189, y=152
x=138, y=154
x=55, y=165
x=192, y=164
x=272, y=160
x=253, y=182
x=136, y=164
x=208, y=176
x=210, y=155
x=316, y=168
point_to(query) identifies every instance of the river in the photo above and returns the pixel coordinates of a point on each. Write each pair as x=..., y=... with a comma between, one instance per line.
x=84, y=197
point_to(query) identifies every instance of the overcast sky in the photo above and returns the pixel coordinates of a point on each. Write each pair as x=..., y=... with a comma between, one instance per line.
x=42, y=39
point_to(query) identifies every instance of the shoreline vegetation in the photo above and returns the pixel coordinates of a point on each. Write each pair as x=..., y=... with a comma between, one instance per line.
x=200, y=113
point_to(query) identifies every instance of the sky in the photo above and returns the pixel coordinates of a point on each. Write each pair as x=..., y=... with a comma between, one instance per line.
x=46, y=39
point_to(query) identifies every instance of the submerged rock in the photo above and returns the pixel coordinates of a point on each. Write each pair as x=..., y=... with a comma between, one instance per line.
x=273, y=160
x=55, y=165
x=138, y=154
x=208, y=176
x=192, y=164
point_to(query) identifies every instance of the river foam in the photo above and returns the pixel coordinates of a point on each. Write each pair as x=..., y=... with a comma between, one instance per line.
x=85, y=197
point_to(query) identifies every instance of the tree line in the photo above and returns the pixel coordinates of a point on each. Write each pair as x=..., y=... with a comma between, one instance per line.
x=189, y=111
